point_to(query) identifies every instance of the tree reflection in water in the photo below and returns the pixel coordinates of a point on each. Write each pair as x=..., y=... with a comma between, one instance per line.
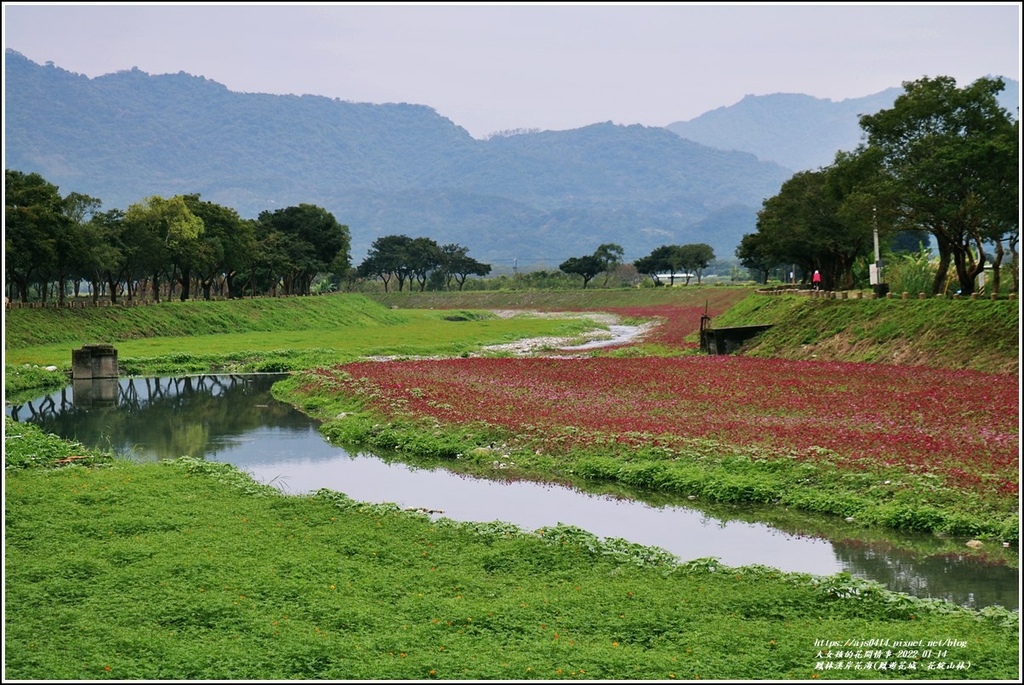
x=950, y=575
x=189, y=415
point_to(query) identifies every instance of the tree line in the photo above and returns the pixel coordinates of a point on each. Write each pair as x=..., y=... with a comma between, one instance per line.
x=183, y=246
x=186, y=247
x=942, y=164
x=687, y=260
x=401, y=260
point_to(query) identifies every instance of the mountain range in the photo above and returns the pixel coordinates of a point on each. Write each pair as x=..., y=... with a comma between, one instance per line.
x=799, y=132
x=526, y=200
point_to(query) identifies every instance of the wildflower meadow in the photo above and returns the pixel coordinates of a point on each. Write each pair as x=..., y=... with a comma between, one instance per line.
x=960, y=428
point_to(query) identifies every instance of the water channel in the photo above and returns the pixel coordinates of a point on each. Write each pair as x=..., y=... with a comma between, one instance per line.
x=234, y=419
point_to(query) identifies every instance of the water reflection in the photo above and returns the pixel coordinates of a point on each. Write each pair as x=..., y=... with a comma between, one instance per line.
x=686, y=532
x=233, y=418
x=159, y=418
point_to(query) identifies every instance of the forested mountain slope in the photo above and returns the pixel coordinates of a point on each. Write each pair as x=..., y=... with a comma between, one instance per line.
x=534, y=198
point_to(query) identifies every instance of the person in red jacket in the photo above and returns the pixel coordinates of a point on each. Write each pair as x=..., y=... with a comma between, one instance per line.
x=816, y=280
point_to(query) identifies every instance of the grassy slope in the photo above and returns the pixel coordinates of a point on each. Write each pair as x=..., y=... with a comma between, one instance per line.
x=250, y=335
x=29, y=327
x=980, y=335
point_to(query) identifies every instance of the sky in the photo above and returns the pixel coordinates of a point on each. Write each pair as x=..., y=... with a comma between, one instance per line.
x=491, y=67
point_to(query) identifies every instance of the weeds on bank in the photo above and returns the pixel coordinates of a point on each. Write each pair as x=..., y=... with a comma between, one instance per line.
x=26, y=446
x=29, y=380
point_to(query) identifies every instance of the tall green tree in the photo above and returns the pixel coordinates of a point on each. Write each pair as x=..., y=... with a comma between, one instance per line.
x=230, y=245
x=167, y=235
x=752, y=254
x=952, y=157
x=424, y=257
x=269, y=263
x=610, y=255
x=104, y=264
x=823, y=220
x=695, y=257
x=587, y=266
x=34, y=217
x=663, y=259
x=72, y=246
x=387, y=258
x=311, y=241
x=458, y=265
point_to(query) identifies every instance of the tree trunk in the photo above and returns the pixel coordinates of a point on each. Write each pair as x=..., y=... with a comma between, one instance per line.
x=20, y=287
x=962, y=273
x=113, y=288
x=186, y=281
x=967, y=269
x=1014, y=266
x=229, y=281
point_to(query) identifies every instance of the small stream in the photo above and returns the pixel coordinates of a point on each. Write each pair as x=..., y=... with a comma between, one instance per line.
x=234, y=419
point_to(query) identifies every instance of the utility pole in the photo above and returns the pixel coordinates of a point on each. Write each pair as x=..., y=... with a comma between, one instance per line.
x=876, y=269
x=878, y=257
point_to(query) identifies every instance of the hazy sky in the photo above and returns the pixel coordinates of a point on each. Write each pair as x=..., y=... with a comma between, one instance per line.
x=498, y=66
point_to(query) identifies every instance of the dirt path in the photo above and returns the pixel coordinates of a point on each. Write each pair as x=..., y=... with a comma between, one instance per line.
x=553, y=346
x=566, y=347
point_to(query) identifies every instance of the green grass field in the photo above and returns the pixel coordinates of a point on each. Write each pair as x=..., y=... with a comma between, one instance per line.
x=255, y=335
x=187, y=570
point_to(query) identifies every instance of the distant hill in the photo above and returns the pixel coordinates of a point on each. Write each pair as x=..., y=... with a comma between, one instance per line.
x=799, y=132
x=532, y=199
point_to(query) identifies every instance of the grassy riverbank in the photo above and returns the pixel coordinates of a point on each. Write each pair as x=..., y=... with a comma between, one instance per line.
x=187, y=570
x=261, y=335
x=980, y=335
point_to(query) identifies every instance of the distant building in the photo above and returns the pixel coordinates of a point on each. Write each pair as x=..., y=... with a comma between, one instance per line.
x=674, y=279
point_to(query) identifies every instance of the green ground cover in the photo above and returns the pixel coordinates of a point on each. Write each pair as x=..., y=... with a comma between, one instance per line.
x=284, y=334
x=188, y=570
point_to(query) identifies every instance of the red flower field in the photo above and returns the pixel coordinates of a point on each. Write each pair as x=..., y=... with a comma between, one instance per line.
x=961, y=426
